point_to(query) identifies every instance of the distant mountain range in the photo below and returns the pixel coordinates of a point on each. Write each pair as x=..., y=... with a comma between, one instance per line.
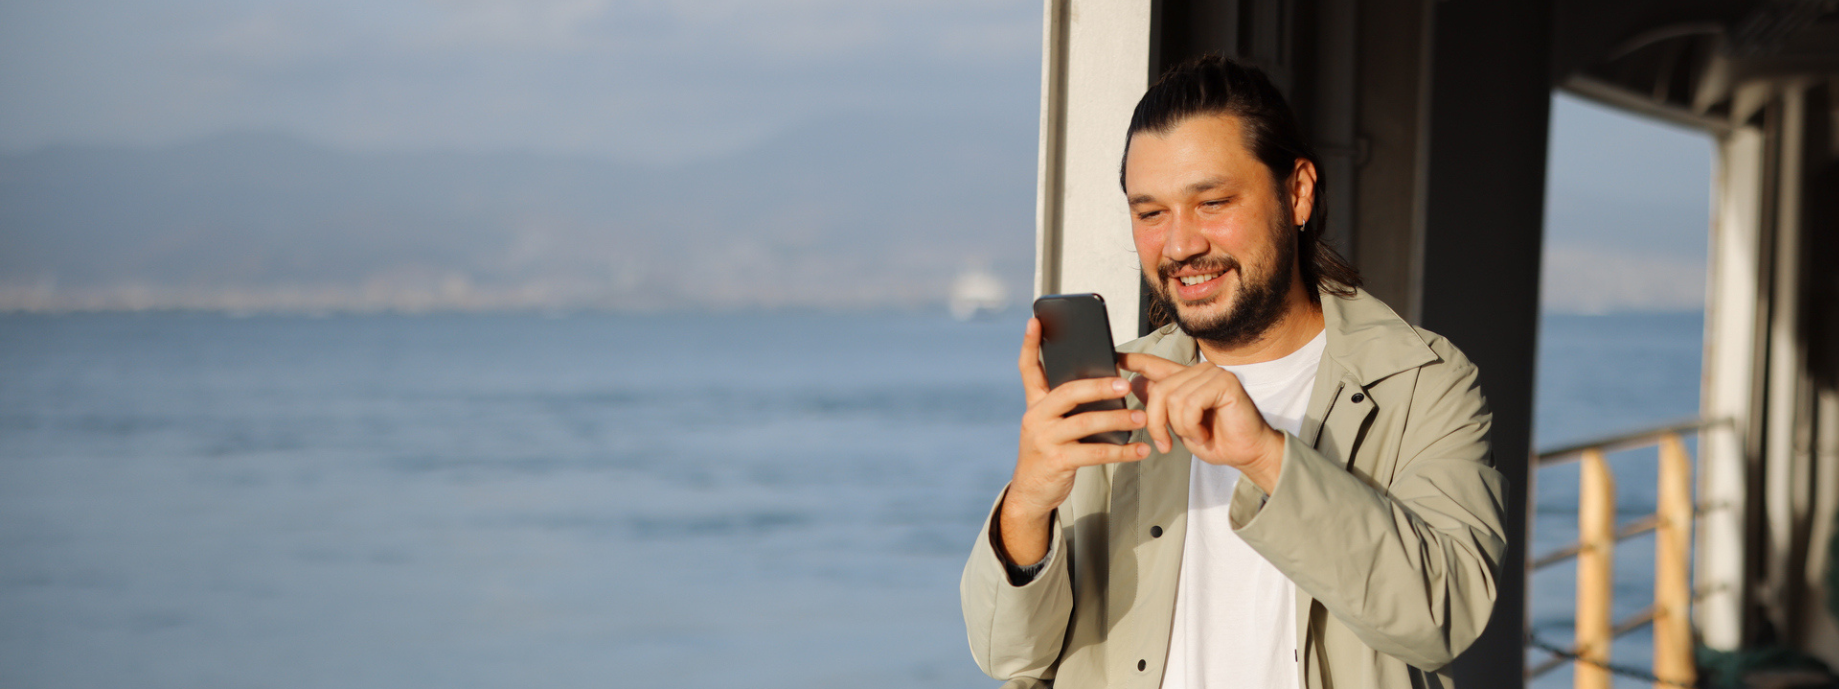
x=857, y=212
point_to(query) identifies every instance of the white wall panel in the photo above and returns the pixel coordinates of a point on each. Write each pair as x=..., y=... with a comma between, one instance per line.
x=1097, y=67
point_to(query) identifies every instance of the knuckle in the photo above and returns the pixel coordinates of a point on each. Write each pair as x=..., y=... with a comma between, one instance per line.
x=1113, y=422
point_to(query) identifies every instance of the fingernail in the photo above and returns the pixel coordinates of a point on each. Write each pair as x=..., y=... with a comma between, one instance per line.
x=1142, y=450
x=1138, y=418
x=1119, y=385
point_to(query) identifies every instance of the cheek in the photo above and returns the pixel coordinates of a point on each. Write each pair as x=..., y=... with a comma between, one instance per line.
x=1228, y=234
x=1263, y=254
x=1149, y=243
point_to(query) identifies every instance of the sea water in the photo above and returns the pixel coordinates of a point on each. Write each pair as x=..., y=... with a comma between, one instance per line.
x=1600, y=376
x=715, y=500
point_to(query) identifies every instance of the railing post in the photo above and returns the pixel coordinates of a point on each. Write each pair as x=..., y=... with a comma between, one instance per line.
x=1596, y=532
x=1672, y=576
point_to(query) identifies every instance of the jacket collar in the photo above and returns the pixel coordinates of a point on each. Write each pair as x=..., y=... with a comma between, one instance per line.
x=1368, y=340
x=1365, y=338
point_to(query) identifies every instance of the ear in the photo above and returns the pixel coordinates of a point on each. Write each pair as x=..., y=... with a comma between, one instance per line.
x=1302, y=192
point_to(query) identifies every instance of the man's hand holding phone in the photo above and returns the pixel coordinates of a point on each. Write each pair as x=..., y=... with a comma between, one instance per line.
x=1075, y=417
x=1050, y=451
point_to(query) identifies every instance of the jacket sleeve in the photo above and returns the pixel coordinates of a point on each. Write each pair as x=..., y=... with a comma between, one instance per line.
x=1016, y=631
x=1410, y=568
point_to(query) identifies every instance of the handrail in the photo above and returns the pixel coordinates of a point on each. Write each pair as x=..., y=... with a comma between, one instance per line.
x=1627, y=531
x=1594, y=551
x=1623, y=533
x=1623, y=441
x=1628, y=624
x=1622, y=628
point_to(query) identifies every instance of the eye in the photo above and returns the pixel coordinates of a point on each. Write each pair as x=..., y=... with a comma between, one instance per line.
x=1145, y=215
x=1216, y=203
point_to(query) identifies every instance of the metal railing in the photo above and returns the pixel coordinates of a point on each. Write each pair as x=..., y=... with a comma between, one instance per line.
x=1594, y=552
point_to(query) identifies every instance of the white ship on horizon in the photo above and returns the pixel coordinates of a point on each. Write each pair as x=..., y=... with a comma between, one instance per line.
x=976, y=292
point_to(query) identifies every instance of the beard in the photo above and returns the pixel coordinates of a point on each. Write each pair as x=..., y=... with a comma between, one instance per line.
x=1256, y=306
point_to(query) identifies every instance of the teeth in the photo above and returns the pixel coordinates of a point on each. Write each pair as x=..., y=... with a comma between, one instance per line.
x=1197, y=279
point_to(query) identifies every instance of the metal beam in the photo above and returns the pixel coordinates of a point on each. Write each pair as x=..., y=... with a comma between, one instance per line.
x=1386, y=237
x=1490, y=105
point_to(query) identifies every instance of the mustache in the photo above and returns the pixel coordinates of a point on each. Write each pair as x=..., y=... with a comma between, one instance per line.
x=1200, y=264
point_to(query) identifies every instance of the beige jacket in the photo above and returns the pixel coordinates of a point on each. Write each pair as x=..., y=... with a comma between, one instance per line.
x=1386, y=515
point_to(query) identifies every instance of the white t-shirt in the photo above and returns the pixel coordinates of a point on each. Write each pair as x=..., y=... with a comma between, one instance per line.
x=1235, y=614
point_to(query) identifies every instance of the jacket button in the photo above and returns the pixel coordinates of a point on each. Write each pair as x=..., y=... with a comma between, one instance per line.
x=1358, y=397
x=1141, y=664
x=1155, y=532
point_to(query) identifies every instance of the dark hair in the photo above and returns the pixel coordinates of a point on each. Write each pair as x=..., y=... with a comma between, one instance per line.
x=1215, y=85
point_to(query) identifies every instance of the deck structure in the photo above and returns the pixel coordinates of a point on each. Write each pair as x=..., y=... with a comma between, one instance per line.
x=1431, y=118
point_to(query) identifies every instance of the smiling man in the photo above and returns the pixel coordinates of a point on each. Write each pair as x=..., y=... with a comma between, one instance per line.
x=1307, y=499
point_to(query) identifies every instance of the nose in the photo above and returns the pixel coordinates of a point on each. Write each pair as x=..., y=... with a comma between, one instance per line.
x=1184, y=239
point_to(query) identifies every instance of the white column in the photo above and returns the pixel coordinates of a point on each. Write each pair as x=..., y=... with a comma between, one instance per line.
x=1731, y=304
x=1096, y=66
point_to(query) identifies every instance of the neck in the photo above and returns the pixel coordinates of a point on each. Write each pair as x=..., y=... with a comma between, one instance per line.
x=1300, y=323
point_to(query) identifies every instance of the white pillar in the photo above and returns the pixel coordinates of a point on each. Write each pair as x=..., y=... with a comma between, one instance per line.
x=1097, y=67
x=1731, y=312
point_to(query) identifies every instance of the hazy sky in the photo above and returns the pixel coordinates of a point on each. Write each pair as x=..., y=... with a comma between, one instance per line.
x=1628, y=210
x=673, y=83
x=633, y=79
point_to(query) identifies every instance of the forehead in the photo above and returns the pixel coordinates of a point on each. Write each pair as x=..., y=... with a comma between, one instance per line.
x=1198, y=147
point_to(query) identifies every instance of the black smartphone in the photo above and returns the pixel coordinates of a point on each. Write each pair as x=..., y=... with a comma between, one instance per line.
x=1075, y=344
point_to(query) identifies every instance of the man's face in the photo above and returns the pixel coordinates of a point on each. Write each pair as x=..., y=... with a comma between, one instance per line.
x=1216, y=237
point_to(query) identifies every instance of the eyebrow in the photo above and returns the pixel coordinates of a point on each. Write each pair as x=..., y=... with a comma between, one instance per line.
x=1195, y=188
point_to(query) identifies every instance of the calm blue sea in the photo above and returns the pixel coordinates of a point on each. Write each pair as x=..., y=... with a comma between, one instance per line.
x=739, y=500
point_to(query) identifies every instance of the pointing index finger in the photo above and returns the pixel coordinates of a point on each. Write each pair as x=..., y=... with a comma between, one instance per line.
x=1151, y=370
x=1149, y=366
